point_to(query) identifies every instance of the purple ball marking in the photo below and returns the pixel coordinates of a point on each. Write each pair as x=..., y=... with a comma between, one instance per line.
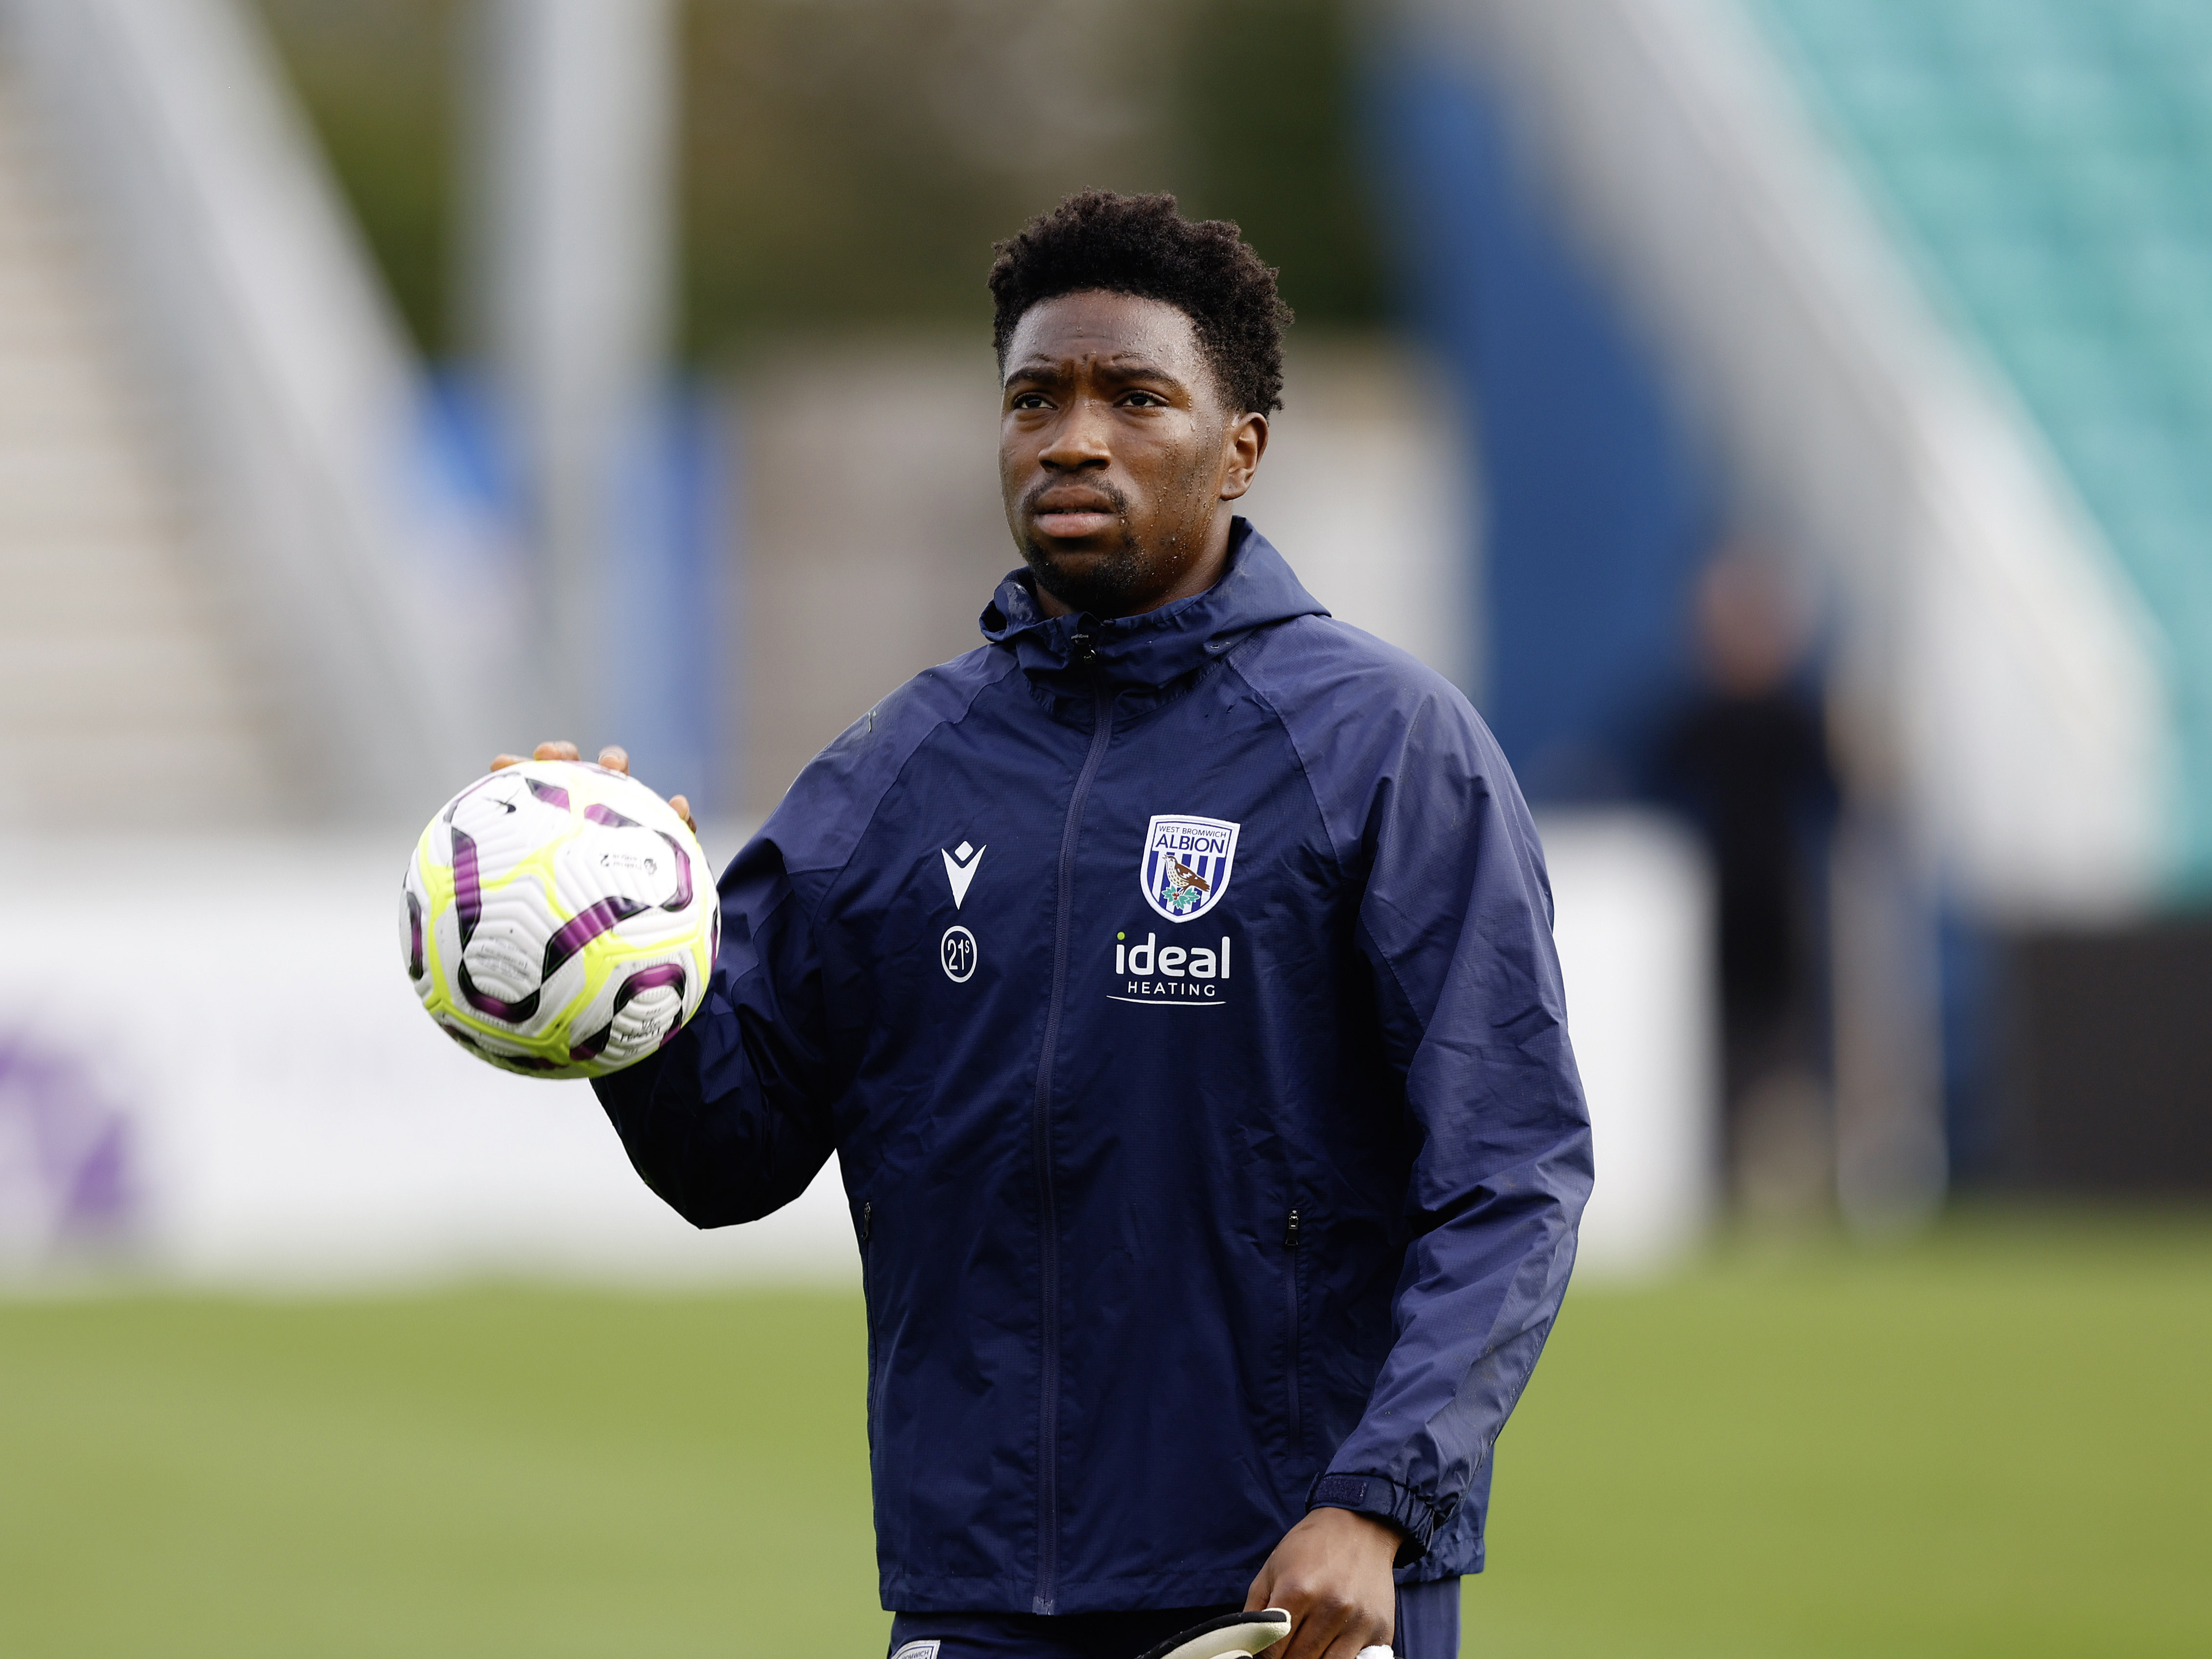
x=645, y=979
x=513, y=1013
x=529, y=1063
x=650, y=979
x=414, y=935
x=518, y=1062
x=666, y=974
x=551, y=794
x=608, y=815
x=468, y=889
x=585, y=926
x=683, y=872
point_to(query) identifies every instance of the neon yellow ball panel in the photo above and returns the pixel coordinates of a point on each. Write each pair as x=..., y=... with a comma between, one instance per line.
x=559, y=919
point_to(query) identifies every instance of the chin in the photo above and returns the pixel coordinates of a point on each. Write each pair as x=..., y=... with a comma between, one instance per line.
x=1102, y=582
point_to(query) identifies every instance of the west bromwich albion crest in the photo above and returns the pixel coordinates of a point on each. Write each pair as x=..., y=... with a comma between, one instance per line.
x=1185, y=868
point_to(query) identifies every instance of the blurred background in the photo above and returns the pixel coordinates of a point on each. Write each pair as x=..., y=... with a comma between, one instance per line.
x=1790, y=421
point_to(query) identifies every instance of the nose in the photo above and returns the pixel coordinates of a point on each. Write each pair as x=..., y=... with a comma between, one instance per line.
x=1077, y=441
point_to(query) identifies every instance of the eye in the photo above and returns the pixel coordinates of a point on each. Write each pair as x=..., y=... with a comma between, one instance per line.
x=1144, y=400
x=1029, y=400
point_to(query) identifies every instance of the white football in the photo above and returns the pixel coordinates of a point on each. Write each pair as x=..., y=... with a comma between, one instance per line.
x=559, y=919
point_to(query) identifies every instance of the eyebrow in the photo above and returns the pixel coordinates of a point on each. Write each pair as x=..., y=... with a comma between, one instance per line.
x=1125, y=365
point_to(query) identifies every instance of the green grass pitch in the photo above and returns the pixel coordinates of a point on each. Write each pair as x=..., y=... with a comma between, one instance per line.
x=1997, y=1440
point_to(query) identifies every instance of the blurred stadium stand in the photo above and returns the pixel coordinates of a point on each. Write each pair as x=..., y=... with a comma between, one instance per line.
x=294, y=379
x=263, y=613
x=2046, y=163
x=1907, y=292
x=284, y=391
x=118, y=678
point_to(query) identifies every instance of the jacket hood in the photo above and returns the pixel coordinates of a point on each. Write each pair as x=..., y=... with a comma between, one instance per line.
x=1159, y=647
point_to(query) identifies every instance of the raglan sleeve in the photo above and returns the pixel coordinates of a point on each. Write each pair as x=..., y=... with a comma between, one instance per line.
x=1455, y=928
x=730, y=1120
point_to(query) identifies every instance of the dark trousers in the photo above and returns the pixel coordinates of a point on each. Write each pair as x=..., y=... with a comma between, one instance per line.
x=1428, y=1628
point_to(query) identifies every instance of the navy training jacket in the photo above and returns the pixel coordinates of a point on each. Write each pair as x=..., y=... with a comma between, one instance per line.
x=1178, y=993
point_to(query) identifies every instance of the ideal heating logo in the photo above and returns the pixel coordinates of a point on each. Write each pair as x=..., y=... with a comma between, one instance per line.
x=1193, y=975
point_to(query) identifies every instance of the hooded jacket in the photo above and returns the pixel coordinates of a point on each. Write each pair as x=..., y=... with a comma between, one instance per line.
x=1178, y=993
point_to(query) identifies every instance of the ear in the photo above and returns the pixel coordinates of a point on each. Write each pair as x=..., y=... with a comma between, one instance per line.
x=1242, y=447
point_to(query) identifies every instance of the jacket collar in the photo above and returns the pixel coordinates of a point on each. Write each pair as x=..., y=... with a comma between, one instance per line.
x=1153, y=651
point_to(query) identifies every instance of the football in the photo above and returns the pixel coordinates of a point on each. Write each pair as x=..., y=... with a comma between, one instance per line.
x=558, y=920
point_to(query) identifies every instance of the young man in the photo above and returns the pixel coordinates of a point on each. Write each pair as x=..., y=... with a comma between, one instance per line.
x=1173, y=976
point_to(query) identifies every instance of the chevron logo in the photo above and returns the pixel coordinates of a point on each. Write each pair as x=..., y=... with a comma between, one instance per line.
x=960, y=866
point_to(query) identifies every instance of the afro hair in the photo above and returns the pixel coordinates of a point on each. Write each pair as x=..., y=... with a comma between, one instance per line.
x=1143, y=246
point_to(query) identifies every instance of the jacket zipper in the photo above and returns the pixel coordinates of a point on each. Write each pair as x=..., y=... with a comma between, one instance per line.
x=1040, y=1130
x=1291, y=1282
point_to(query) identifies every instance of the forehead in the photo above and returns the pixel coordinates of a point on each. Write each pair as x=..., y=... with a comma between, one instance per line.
x=1094, y=325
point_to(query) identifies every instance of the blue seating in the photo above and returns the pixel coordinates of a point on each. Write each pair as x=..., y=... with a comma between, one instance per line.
x=2048, y=165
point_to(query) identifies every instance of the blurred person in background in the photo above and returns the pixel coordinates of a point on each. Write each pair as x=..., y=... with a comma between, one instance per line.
x=1204, y=1263
x=1748, y=759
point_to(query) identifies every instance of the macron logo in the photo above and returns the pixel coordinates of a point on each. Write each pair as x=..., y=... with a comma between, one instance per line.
x=960, y=866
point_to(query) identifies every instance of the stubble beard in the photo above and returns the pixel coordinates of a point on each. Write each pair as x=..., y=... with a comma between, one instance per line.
x=1104, y=587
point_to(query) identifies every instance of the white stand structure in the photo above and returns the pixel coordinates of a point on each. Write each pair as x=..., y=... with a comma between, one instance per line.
x=570, y=281
x=286, y=388
x=1632, y=915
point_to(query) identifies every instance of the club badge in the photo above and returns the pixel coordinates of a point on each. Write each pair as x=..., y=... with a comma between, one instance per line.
x=1185, y=866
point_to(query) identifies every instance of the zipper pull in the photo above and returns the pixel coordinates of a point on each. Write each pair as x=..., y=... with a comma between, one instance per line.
x=1085, y=650
x=1290, y=1232
x=867, y=1221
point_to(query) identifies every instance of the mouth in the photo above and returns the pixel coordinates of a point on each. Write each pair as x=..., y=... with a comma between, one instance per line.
x=1073, y=514
x=1073, y=525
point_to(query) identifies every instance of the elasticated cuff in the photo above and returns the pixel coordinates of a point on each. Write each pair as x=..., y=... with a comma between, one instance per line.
x=1385, y=1499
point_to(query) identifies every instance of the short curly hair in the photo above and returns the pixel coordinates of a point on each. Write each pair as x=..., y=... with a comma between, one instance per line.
x=1143, y=246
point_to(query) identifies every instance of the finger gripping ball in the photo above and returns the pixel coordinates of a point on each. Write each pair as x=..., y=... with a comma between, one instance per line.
x=558, y=920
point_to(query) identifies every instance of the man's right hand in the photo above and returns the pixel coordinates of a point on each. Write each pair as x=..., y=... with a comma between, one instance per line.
x=1331, y=1573
x=613, y=757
